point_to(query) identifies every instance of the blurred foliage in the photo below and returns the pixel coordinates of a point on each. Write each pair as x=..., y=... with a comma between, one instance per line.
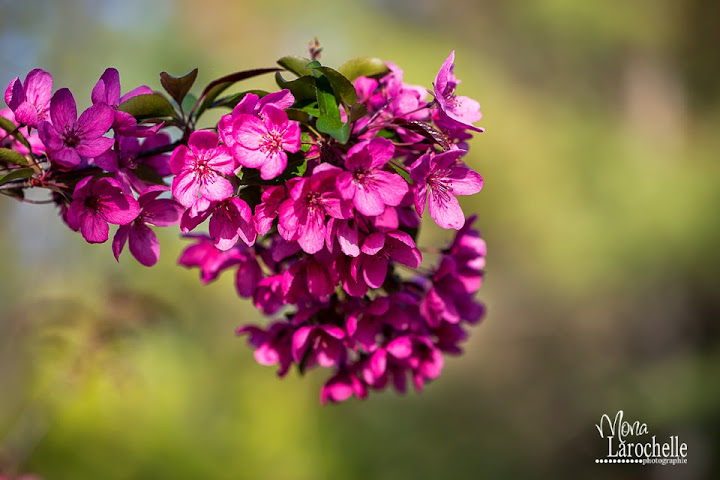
x=599, y=208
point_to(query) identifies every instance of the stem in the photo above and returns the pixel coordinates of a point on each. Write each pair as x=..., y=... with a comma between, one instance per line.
x=13, y=184
x=162, y=149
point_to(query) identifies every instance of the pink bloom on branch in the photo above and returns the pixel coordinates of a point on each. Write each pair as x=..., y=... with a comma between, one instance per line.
x=438, y=178
x=342, y=386
x=8, y=141
x=159, y=212
x=68, y=138
x=230, y=220
x=318, y=345
x=97, y=202
x=107, y=91
x=30, y=100
x=267, y=210
x=251, y=104
x=302, y=216
x=463, y=111
x=377, y=250
x=272, y=346
x=262, y=142
x=199, y=169
x=366, y=184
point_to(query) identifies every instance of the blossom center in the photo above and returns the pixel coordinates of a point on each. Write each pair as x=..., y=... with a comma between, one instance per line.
x=92, y=203
x=362, y=176
x=71, y=137
x=439, y=184
x=271, y=142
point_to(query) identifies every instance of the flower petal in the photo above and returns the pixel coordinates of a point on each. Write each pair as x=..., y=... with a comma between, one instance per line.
x=143, y=244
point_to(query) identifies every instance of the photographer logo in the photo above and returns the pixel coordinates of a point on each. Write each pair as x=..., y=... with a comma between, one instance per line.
x=628, y=442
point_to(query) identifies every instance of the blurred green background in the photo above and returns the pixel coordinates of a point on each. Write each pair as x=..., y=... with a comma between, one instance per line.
x=600, y=210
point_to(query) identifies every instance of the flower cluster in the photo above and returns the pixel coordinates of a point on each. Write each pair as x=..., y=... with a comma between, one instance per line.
x=313, y=194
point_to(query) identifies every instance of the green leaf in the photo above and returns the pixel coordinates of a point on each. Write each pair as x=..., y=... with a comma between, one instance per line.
x=341, y=86
x=11, y=156
x=329, y=121
x=327, y=103
x=178, y=87
x=294, y=64
x=298, y=115
x=334, y=127
x=300, y=169
x=426, y=130
x=363, y=67
x=216, y=87
x=12, y=129
x=148, y=106
x=307, y=142
x=16, y=175
x=188, y=102
x=401, y=171
x=311, y=109
x=302, y=88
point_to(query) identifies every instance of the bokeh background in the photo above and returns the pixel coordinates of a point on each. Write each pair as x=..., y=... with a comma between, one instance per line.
x=600, y=210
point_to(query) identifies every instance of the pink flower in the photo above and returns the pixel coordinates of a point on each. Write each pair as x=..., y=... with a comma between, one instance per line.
x=107, y=91
x=231, y=219
x=251, y=104
x=262, y=142
x=302, y=216
x=199, y=169
x=463, y=111
x=468, y=250
x=267, y=210
x=36, y=145
x=272, y=346
x=377, y=250
x=342, y=386
x=212, y=261
x=366, y=184
x=97, y=202
x=125, y=162
x=30, y=100
x=144, y=245
x=318, y=345
x=438, y=178
x=68, y=138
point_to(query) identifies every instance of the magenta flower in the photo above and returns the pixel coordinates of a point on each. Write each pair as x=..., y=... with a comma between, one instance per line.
x=251, y=104
x=97, y=202
x=30, y=100
x=342, y=386
x=68, y=138
x=438, y=178
x=272, y=346
x=463, y=111
x=211, y=261
x=230, y=220
x=302, y=216
x=468, y=250
x=318, y=345
x=125, y=162
x=366, y=184
x=377, y=250
x=159, y=212
x=263, y=142
x=267, y=210
x=8, y=141
x=199, y=169
x=107, y=91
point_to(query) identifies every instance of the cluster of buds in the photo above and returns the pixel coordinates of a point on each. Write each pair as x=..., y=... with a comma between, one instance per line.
x=313, y=194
